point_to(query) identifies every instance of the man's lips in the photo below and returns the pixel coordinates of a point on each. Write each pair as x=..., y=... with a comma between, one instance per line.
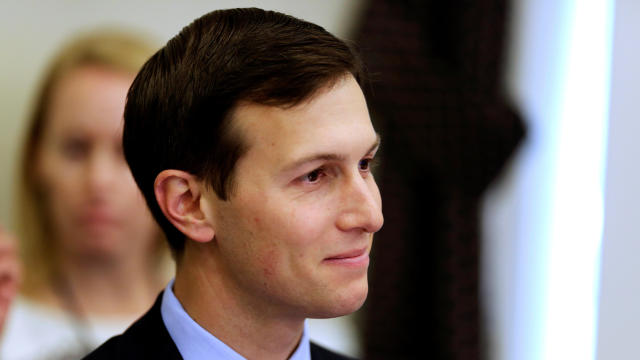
x=348, y=254
x=356, y=257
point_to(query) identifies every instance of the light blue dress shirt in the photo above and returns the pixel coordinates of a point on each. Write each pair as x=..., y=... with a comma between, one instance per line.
x=196, y=343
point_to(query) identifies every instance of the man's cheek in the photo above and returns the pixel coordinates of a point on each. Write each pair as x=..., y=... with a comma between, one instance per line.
x=305, y=224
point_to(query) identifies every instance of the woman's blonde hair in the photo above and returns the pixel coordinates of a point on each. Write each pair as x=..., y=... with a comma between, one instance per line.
x=114, y=50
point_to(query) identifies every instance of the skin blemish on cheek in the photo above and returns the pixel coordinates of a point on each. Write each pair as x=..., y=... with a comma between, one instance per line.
x=269, y=263
x=267, y=271
x=269, y=268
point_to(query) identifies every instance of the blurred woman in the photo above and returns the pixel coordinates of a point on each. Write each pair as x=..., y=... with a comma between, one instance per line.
x=92, y=256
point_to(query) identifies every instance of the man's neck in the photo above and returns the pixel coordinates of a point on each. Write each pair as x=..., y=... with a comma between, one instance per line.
x=252, y=330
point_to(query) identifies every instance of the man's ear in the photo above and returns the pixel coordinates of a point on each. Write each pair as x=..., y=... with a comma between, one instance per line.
x=179, y=195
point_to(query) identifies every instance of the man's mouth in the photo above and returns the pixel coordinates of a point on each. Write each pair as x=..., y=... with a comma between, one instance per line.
x=355, y=257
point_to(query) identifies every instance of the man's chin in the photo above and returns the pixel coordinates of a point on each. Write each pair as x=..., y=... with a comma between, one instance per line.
x=343, y=305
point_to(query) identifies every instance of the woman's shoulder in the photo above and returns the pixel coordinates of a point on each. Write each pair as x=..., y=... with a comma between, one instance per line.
x=26, y=312
x=33, y=328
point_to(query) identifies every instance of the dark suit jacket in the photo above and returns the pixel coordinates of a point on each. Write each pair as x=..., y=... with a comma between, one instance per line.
x=148, y=338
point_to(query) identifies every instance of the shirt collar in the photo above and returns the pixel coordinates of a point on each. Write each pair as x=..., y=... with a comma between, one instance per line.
x=196, y=343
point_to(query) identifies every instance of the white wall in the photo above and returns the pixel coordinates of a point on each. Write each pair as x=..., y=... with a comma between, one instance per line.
x=619, y=322
x=543, y=221
x=516, y=217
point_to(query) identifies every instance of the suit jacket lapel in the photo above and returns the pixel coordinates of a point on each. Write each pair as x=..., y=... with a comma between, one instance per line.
x=148, y=337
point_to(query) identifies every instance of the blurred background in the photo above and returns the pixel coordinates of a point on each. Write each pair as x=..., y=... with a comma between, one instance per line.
x=508, y=175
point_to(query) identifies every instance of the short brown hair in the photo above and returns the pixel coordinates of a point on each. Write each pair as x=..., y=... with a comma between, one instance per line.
x=180, y=105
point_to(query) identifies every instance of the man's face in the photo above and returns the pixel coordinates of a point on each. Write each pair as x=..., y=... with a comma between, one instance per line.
x=295, y=235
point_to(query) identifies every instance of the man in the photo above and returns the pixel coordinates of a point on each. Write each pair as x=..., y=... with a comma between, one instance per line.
x=250, y=139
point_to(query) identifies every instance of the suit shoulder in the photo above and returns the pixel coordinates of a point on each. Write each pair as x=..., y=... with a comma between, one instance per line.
x=137, y=343
x=108, y=350
x=146, y=338
x=321, y=353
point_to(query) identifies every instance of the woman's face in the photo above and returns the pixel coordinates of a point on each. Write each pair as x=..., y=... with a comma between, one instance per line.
x=92, y=202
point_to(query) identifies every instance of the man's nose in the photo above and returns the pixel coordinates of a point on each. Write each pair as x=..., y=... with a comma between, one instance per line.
x=361, y=206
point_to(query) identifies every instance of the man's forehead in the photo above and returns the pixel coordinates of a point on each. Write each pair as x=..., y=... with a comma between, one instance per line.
x=336, y=121
x=242, y=105
x=247, y=116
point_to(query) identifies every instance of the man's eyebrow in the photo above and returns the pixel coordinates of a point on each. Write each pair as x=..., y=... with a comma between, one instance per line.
x=327, y=157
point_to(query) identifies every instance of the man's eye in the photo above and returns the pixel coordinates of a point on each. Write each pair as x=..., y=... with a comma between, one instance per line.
x=364, y=164
x=313, y=176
